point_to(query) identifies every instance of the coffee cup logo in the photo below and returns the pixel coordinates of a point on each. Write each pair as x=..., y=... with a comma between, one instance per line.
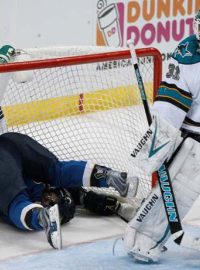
x=108, y=20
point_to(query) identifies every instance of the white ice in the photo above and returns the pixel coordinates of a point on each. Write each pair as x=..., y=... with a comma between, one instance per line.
x=98, y=255
x=87, y=244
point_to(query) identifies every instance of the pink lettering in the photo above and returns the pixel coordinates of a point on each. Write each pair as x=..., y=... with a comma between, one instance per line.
x=175, y=34
x=148, y=34
x=163, y=31
x=133, y=33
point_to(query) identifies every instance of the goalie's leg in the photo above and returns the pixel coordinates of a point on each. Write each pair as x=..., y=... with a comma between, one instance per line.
x=148, y=231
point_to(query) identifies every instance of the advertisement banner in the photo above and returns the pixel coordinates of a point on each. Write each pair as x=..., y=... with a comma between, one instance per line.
x=151, y=23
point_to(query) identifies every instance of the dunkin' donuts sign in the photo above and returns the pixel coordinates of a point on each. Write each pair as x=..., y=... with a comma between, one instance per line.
x=146, y=21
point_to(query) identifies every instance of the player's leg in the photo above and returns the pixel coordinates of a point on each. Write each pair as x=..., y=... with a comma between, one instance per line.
x=40, y=164
x=35, y=158
x=81, y=173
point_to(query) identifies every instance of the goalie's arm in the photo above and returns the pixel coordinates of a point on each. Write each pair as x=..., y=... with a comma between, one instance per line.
x=174, y=97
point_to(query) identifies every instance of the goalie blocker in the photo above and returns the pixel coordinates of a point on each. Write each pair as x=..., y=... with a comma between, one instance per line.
x=148, y=231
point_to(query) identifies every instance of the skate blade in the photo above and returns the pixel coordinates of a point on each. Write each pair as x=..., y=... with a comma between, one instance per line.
x=141, y=258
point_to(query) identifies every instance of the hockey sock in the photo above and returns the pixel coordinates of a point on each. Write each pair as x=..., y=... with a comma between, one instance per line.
x=23, y=213
x=68, y=174
x=99, y=176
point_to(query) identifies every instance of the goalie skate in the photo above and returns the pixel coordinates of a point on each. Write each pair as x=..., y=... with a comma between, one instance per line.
x=141, y=258
x=50, y=221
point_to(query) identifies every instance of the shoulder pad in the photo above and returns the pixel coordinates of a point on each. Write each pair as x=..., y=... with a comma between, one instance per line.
x=186, y=52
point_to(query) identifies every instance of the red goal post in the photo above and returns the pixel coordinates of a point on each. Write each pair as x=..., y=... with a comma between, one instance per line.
x=84, y=105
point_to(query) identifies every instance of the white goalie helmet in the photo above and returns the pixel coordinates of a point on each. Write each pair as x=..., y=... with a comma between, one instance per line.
x=197, y=25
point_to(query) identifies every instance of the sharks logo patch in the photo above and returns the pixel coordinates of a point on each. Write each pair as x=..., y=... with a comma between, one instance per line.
x=182, y=50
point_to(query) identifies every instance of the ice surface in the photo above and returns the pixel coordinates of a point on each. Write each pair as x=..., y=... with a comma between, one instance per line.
x=98, y=256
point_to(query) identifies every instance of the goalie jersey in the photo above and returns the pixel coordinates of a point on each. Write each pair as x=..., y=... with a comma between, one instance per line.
x=178, y=97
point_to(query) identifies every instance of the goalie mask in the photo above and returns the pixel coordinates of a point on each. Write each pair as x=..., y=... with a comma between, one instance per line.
x=64, y=200
x=197, y=25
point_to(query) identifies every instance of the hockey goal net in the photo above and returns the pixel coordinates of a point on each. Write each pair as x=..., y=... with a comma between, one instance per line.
x=82, y=102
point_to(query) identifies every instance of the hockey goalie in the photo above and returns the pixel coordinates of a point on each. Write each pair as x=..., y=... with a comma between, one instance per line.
x=175, y=137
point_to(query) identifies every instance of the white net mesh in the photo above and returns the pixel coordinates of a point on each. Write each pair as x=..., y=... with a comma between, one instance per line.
x=85, y=111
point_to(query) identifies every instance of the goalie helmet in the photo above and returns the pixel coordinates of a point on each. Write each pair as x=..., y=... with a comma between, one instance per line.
x=197, y=25
x=63, y=198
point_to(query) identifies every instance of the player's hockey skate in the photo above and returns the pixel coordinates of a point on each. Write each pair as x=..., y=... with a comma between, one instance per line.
x=50, y=221
x=126, y=187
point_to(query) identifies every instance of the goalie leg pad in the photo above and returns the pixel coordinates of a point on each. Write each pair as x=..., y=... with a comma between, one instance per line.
x=148, y=231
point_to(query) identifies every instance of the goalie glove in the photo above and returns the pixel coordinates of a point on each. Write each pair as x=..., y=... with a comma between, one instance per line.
x=6, y=54
x=25, y=75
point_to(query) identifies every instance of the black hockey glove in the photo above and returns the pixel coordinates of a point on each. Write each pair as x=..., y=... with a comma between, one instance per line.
x=100, y=204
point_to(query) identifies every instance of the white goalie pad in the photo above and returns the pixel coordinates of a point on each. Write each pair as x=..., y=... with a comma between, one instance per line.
x=148, y=231
x=156, y=146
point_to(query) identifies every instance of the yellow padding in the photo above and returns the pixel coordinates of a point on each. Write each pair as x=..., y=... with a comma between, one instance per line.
x=53, y=108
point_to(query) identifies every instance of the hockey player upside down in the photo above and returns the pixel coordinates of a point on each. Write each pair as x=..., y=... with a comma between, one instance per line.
x=35, y=185
x=33, y=181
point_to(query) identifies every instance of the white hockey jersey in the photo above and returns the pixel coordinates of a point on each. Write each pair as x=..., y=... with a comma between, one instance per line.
x=178, y=97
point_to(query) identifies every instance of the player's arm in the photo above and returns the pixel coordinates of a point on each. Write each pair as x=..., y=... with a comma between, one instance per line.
x=103, y=202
